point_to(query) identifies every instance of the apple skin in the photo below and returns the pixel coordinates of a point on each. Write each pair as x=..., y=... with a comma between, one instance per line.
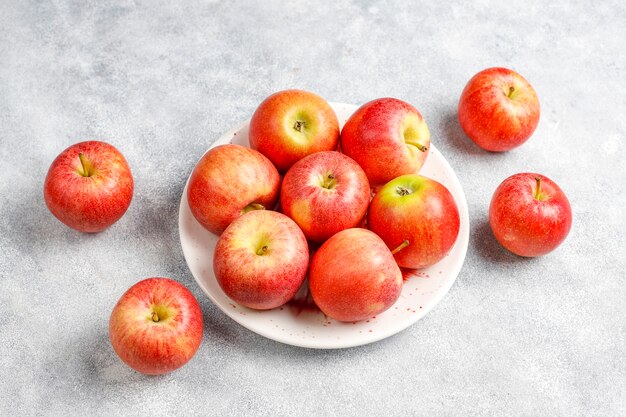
x=156, y=326
x=526, y=223
x=325, y=193
x=261, y=259
x=498, y=109
x=418, y=210
x=228, y=181
x=93, y=201
x=387, y=137
x=291, y=124
x=353, y=276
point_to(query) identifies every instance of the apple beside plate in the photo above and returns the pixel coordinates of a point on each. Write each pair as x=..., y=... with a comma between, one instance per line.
x=298, y=322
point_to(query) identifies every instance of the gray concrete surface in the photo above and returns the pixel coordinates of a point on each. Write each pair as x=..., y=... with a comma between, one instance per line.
x=162, y=79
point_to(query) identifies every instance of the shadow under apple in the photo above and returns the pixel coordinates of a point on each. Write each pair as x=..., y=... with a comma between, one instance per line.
x=485, y=244
x=219, y=329
x=99, y=361
x=455, y=137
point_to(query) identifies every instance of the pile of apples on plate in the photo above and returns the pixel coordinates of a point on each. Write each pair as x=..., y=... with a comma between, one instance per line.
x=320, y=219
x=346, y=208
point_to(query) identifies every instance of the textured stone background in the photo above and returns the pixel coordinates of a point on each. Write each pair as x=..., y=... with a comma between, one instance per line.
x=162, y=79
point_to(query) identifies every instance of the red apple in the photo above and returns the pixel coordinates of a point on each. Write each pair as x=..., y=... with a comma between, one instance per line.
x=417, y=218
x=228, y=181
x=529, y=214
x=156, y=327
x=89, y=186
x=325, y=193
x=261, y=259
x=353, y=276
x=387, y=138
x=498, y=109
x=291, y=124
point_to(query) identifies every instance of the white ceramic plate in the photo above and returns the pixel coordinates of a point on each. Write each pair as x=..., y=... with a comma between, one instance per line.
x=297, y=323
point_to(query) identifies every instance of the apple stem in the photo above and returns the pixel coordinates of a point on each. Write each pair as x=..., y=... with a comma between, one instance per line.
x=83, y=163
x=298, y=125
x=509, y=94
x=403, y=245
x=154, y=317
x=329, y=181
x=421, y=147
x=262, y=251
x=402, y=191
x=538, y=187
x=252, y=206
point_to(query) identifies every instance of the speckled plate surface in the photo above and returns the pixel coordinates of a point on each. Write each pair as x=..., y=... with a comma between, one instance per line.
x=299, y=323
